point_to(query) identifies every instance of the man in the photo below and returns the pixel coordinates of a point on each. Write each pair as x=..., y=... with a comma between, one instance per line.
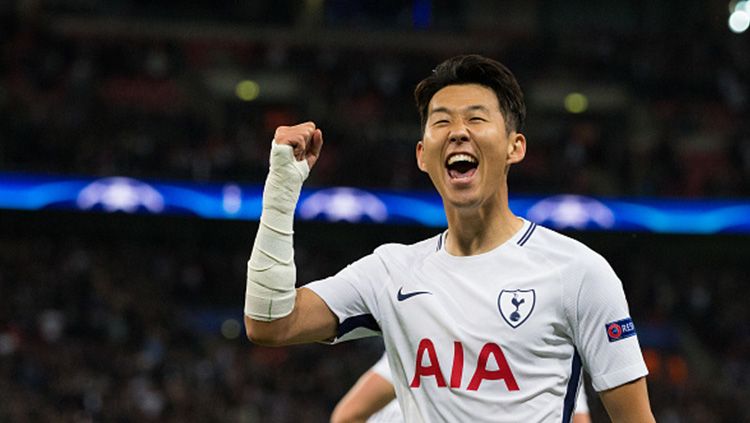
x=373, y=400
x=491, y=320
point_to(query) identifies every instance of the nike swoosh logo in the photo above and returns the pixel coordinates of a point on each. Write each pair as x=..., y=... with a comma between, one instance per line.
x=401, y=296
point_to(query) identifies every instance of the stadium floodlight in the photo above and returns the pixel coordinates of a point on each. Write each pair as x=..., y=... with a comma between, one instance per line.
x=247, y=90
x=576, y=103
x=739, y=18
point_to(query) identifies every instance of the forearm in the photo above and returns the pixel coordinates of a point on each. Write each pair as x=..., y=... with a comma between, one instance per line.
x=271, y=274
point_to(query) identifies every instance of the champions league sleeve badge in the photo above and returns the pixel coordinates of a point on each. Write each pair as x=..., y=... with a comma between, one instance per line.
x=516, y=306
x=620, y=329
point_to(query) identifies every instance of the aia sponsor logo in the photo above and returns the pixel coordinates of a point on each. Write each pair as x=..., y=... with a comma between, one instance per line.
x=491, y=365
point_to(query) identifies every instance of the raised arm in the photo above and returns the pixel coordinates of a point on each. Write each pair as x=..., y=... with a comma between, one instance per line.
x=628, y=403
x=275, y=312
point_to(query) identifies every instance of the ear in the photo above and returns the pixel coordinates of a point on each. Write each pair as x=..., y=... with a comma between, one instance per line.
x=516, y=148
x=420, y=163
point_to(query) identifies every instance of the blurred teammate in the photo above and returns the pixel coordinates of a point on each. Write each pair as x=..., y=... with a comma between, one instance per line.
x=491, y=320
x=373, y=400
x=582, y=413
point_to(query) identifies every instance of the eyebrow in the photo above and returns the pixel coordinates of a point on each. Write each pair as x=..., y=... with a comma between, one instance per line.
x=472, y=108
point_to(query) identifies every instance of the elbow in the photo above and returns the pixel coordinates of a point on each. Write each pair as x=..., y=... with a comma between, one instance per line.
x=259, y=333
x=263, y=333
x=256, y=338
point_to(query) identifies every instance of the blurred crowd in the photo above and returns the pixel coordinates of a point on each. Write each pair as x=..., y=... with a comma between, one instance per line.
x=119, y=329
x=697, y=354
x=667, y=112
x=124, y=331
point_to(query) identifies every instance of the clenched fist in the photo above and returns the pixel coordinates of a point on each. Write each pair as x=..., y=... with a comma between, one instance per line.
x=306, y=141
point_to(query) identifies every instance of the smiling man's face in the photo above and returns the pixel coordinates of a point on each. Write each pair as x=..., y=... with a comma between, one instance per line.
x=466, y=149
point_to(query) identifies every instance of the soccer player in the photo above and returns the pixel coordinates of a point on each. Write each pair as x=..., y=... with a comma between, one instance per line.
x=491, y=320
x=373, y=400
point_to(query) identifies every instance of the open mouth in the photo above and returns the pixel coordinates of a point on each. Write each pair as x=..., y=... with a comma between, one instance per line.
x=461, y=166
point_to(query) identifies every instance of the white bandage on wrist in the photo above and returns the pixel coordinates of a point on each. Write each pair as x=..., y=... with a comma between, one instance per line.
x=271, y=274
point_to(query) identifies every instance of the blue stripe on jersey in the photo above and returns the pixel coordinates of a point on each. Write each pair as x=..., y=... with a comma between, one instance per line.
x=527, y=234
x=569, y=404
x=354, y=322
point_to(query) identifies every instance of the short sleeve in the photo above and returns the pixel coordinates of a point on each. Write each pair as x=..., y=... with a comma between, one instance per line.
x=604, y=332
x=352, y=296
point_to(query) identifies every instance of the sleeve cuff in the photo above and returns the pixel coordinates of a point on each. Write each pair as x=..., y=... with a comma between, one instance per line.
x=620, y=377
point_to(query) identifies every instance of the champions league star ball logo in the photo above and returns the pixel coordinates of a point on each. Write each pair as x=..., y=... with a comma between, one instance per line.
x=572, y=211
x=516, y=306
x=343, y=204
x=120, y=194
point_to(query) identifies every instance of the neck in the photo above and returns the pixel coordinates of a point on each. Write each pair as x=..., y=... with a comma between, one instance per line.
x=479, y=230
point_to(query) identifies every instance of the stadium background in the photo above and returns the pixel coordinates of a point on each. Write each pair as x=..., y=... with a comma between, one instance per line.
x=119, y=317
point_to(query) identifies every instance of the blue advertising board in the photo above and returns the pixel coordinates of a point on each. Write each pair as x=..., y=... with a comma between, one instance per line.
x=347, y=204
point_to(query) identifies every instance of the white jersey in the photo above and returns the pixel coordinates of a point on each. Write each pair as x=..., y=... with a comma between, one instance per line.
x=500, y=336
x=391, y=413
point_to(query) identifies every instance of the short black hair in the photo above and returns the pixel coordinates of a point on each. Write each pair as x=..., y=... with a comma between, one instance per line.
x=475, y=69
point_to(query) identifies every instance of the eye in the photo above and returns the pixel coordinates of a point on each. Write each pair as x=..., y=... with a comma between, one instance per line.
x=440, y=122
x=477, y=119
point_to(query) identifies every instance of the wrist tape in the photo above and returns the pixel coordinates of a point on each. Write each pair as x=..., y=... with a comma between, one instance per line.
x=271, y=273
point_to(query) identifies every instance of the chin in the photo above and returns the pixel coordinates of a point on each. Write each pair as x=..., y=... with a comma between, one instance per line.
x=462, y=202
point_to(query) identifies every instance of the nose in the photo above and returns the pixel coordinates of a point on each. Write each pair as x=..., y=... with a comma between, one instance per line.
x=458, y=133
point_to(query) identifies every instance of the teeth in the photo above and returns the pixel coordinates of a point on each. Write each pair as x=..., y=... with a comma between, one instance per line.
x=461, y=158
